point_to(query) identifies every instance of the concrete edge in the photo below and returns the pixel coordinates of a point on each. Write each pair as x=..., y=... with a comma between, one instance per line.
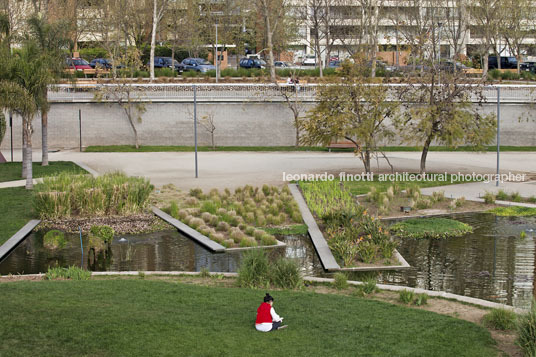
x=19, y=183
x=278, y=244
x=18, y=237
x=189, y=232
x=403, y=265
x=319, y=242
x=87, y=168
x=442, y=294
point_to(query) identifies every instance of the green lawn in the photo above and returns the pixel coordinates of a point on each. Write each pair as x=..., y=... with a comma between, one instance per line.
x=422, y=228
x=132, y=317
x=11, y=171
x=15, y=210
x=130, y=148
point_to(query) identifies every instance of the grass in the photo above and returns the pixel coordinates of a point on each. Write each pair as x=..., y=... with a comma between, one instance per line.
x=363, y=187
x=15, y=211
x=296, y=229
x=11, y=171
x=135, y=317
x=513, y=211
x=500, y=319
x=157, y=148
x=422, y=228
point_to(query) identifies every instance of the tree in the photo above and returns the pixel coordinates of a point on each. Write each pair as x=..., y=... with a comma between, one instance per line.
x=486, y=15
x=273, y=13
x=354, y=109
x=22, y=78
x=517, y=25
x=290, y=94
x=126, y=94
x=50, y=40
x=158, y=13
x=207, y=122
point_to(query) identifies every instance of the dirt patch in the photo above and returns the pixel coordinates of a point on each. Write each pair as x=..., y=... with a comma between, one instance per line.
x=12, y=278
x=140, y=223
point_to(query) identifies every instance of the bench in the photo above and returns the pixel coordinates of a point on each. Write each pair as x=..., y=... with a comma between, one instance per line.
x=341, y=145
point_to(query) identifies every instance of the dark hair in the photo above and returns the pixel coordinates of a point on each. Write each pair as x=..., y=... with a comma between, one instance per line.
x=268, y=298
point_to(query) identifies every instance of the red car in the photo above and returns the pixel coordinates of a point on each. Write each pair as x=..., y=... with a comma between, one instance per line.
x=77, y=63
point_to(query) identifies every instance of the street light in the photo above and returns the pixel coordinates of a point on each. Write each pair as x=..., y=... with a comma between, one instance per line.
x=439, y=24
x=216, y=57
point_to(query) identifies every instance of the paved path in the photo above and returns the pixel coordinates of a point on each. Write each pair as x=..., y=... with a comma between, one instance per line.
x=234, y=169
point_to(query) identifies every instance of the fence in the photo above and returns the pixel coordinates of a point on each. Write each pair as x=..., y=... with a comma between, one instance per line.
x=85, y=93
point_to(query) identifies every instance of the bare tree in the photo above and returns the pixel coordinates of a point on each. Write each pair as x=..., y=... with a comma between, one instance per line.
x=272, y=13
x=207, y=122
x=486, y=15
x=159, y=6
x=456, y=26
x=517, y=25
x=290, y=93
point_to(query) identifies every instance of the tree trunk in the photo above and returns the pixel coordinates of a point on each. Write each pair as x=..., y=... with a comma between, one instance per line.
x=44, y=137
x=424, y=154
x=269, y=44
x=486, y=65
x=297, y=125
x=366, y=160
x=28, y=153
x=153, y=41
x=24, y=144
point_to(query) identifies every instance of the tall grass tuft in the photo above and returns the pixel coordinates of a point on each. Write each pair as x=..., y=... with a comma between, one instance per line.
x=526, y=331
x=72, y=272
x=500, y=319
x=254, y=269
x=285, y=273
x=340, y=281
x=68, y=195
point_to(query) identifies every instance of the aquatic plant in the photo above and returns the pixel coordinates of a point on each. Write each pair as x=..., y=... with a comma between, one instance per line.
x=422, y=228
x=54, y=239
x=72, y=273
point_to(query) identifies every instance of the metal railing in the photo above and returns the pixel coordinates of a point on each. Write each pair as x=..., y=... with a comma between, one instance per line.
x=85, y=93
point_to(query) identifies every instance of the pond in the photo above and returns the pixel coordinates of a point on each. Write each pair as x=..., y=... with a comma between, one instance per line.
x=159, y=251
x=492, y=263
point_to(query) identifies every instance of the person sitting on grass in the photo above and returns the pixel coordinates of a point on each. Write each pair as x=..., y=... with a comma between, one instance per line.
x=267, y=318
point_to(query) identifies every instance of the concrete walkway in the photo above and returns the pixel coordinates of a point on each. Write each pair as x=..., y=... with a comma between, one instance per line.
x=234, y=169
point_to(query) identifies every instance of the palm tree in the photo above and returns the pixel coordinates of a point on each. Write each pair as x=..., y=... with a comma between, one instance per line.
x=24, y=78
x=50, y=39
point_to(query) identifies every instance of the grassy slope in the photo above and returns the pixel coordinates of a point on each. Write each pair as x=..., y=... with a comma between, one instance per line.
x=15, y=211
x=11, y=171
x=144, y=318
x=129, y=148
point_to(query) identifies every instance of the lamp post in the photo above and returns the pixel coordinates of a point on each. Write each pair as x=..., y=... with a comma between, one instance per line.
x=498, y=131
x=216, y=57
x=439, y=24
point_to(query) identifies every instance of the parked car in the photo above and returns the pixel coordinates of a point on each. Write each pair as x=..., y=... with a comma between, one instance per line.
x=449, y=66
x=197, y=64
x=528, y=66
x=103, y=63
x=281, y=64
x=77, y=63
x=167, y=62
x=252, y=63
x=309, y=60
x=506, y=62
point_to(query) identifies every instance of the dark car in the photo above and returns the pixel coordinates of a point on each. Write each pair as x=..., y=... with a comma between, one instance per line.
x=506, y=62
x=451, y=66
x=103, y=63
x=167, y=62
x=528, y=66
x=282, y=64
x=197, y=64
x=77, y=63
x=252, y=63
x=334, y=64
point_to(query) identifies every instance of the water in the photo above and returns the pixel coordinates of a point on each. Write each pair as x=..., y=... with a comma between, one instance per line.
x=160, y=251
x=493, y=263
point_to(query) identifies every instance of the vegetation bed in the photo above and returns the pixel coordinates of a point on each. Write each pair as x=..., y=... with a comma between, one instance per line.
x=422, y=228
x=241, y=218
x=11, y=171
x=354, y=237
x=179, y=314
x=513, y=211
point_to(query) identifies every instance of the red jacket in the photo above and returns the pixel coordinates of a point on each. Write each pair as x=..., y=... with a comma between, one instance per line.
x=263, y=314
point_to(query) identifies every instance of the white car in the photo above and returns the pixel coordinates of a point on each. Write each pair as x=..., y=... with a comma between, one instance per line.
x=309, y=60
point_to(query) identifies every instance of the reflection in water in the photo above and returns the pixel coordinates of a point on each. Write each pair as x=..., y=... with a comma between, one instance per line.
x=493, y=263
x=160, y=251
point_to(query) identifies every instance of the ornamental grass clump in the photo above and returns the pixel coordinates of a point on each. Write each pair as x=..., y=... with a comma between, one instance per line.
x=71, y=273
x=500, y=319
x=68, y=195
x=285, y=274
x=526, y=331
x=254, y=269
x=340, y=281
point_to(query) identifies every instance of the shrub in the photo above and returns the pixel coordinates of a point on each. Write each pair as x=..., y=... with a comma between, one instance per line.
x=72, y=272
x=423, y=203
x=502, y=196
x=254, y=269
x=248, y=242
x=406, y=296
x=421, y=299
x=285, y=274
x=268, y=239
x=183, y=214
x=438, y=196
x=489, y=197
x=369, y=286
x=54, y=239
x=460, y=201
x=105, y=233
x=340, y=281
x=516, y=197
x=500, y=319
x=196, y=192
x=367, y=251
x=526, y=331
